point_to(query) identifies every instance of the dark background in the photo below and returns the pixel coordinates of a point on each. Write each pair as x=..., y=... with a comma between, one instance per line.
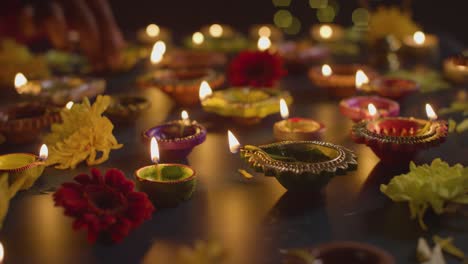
x=186, y=16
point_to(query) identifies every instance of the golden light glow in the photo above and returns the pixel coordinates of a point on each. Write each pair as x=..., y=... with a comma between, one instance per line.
x=69, y=105
x=234, y=144
x=43, y=152
x=20, y=80
x=205, y=91
x=284, y=109
x=372, y=110
x=160, y=46
x=152, y=30
x=326, y=70
x=263, y=43
x=2, y=252
x=419, y=37
x=361, y=79
x=264, y=31
x=216, y=30
x=198, y=38
x=154, y=150
x=430, y=112
x=157, y=53
x=326, y=31
x=184, y=115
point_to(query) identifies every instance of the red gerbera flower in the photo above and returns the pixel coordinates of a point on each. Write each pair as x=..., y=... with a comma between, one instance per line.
x=256, y=68
x=104, y=205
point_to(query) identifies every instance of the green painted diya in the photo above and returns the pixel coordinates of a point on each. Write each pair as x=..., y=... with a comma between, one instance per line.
x=23, y=168
x=246, y=105
x=167, y=185
x=300, y=166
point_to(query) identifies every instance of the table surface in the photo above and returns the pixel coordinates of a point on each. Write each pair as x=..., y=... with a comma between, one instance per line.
x=252, y=219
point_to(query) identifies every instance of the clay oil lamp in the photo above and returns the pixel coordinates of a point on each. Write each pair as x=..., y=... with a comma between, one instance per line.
x=167, y=185
x=341, y=80
x=244, y=105
x=327, y=32
x=298, y=56
x=125, y=108
x=339, y=252
x=195, y=59
x=398, y=139
x=217, y=37
x=24, y=167
x=152, y=33
x=299, y=166
x=176, y=139
x=421, y=45
x=456, y=69
x=181, y=84
x=266, y=30
x=59, y=90
x=394, y=88
x=296, y=128
x=367, y=107
x=23, y=123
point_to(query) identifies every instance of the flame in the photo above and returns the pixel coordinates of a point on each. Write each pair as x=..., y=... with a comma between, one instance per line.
x=205, y=91
x=372, y=110
x=264, y=31
x=184, y=115
x=159, y=48
x=69, y=105
x=43, y=152
x=2, y=252
x=430, y=112
x=198, y=38
x=326, y=70
x=419, y=37
x=326, y=31
x=152, y=30
x=234, y=144
x=154, y=150
x=361, y=79
x=284, y=109
x=216, y=30
x=20, y=80
x=263, y=43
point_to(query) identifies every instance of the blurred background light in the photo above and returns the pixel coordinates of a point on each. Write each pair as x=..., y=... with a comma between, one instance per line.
x=281, y=3
x=294, y=28
x=318, y=3
x=283, y=18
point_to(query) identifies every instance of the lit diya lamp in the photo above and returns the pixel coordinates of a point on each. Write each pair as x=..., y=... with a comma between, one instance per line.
x=125, y=108
x=395, y=88
x=299, y=166
x=399, y=139
x=167, y=185
x=152, y=33
x=246, y=106
x=368, y=107
x=157, y=54
x=217, y=37
x=24, y=168
x=194, y=59
x=266, y=30
x=23, y=122
x=177, y=138
x=298, y=56
x=326, y=32
x=59, y=90
x=421, y=45
x=456, y=69
x=181, y=84
x=296, y=128
x=341, y=80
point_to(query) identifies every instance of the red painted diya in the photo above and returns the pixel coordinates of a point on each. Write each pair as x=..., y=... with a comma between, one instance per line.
x=356, y=108
x=392, y=87
x=176, y=139
x=341, y=82
x=399, y=139
x=298, y=129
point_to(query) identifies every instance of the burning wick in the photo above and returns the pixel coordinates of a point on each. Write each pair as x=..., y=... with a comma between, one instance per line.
x=234, y=144
x=69, y=105
x=372, y=110
x=154, y=151
x=264, y=43
x=185, y=122
x=205, y=91
x=157, y=53
x=326, y=70
x=430, y=113
x=361, y=79
x=43, y=152
x=284, y=111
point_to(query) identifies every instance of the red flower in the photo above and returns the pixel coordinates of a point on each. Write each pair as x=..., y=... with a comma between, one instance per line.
x=104, y=205
x=256, y=68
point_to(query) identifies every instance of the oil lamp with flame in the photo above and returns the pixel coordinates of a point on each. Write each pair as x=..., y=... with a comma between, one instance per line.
x=326, y=32
x=359, y=108
x=421, y=45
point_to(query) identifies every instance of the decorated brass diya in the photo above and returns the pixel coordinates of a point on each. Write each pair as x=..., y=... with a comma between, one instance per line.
x=357, y=108
x=176, y=139
x=167, y=185
x=399, y=139
x=394, y=88
x=22, y=123
x=60, y=90
x=456, y=69
x=194, y=59
x=181, y=84
x=298, y=56
x=339, y=80
x=245, y=106
x=126, y=108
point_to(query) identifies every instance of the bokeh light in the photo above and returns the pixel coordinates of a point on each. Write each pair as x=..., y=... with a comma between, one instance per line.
x=294, y=28
x=360, y=17
x=318, y=3
x=283, y=18
x=198, y=38
x=326, y=15
x=281, y=3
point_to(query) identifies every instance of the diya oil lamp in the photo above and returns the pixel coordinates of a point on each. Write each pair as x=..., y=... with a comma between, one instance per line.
x=264, y=43
x=195, y=59
x=217, y=37
x=299, y=166
x=181, y=84
x=176, y=139
x=153, y=33
x=24, y=166
x=368, y=107
x=421, y=45
x=166, y=184
x=266, y=30
x=298, y=56
x=59, y=90
x=296, y=128
x=395, y=88
x=399, y=139
x=456, y=69
x=341, y=80
x=326, y=32
x=246, y=106
x=126, y=108
x=23, y=122
x=157, y=54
